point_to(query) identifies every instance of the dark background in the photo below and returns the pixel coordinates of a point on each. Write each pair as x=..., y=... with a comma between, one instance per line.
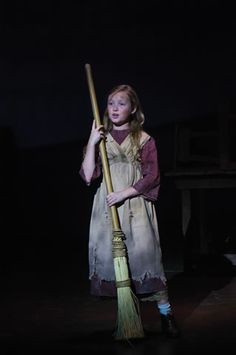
x=179, y=56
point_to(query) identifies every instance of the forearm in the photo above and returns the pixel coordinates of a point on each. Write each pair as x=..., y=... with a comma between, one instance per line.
x=89, y=162
x=130, y=192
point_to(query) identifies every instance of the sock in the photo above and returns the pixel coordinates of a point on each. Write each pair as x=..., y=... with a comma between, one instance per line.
x=164, y=308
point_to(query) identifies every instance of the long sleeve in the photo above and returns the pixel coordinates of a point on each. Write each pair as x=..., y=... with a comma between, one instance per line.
x=149, y=184
x=97, y=171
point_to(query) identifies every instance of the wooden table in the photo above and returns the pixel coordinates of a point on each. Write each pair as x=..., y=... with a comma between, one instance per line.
x=189, y=180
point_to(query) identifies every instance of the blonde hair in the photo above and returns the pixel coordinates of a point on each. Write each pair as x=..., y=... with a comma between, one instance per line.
x=136, y=119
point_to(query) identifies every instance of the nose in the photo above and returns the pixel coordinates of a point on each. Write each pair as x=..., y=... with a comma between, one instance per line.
x=115, y=107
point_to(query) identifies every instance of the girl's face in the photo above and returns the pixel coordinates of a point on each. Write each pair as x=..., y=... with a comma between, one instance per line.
x=119, y=110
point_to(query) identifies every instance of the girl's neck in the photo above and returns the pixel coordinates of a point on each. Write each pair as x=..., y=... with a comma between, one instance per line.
x=121, y=128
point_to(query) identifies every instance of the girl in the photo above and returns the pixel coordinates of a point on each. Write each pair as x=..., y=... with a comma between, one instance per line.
x=132, y=157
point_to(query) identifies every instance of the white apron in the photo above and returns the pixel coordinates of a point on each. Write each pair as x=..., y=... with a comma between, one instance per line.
x=137, y=218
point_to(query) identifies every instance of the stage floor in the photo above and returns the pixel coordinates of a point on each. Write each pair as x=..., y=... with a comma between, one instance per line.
x=49, y=310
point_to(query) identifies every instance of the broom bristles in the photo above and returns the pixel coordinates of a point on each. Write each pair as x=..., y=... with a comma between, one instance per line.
x=129, y=324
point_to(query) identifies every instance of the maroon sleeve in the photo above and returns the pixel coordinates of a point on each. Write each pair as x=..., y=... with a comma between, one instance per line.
x=149, y=184
x=96, y=173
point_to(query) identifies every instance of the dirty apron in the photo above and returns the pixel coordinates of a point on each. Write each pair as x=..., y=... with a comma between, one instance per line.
x=138, y=222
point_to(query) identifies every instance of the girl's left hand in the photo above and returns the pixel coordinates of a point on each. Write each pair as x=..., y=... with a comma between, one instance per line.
x=115, y=197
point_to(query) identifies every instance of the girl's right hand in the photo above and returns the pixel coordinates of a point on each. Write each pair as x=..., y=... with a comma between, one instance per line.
x=97, y=133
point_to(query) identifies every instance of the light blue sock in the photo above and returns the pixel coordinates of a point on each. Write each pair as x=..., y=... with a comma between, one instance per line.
x=164, y=308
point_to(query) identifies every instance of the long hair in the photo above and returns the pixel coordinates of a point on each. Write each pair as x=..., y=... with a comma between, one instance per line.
x=136, y=119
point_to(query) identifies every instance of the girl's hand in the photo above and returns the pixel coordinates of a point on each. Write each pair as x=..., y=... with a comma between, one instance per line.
x=115, y=197
x=96, y=134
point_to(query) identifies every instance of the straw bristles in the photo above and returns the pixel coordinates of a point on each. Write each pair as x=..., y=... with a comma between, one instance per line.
x=129, y=323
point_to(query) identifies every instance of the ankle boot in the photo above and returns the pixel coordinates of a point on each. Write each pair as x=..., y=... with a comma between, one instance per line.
x=169, y=326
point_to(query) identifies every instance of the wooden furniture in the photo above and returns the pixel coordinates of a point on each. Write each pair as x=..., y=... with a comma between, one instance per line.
x=204, y=158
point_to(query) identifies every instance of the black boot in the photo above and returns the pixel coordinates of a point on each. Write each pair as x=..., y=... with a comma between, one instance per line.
x=169, y=326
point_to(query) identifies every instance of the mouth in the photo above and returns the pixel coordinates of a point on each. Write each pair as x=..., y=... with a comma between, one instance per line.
x=115, y=116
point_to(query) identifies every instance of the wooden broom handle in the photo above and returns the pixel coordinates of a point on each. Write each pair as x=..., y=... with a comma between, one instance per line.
x=102, y=146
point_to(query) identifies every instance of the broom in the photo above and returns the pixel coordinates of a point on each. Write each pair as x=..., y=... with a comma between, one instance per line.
x=129, y=323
